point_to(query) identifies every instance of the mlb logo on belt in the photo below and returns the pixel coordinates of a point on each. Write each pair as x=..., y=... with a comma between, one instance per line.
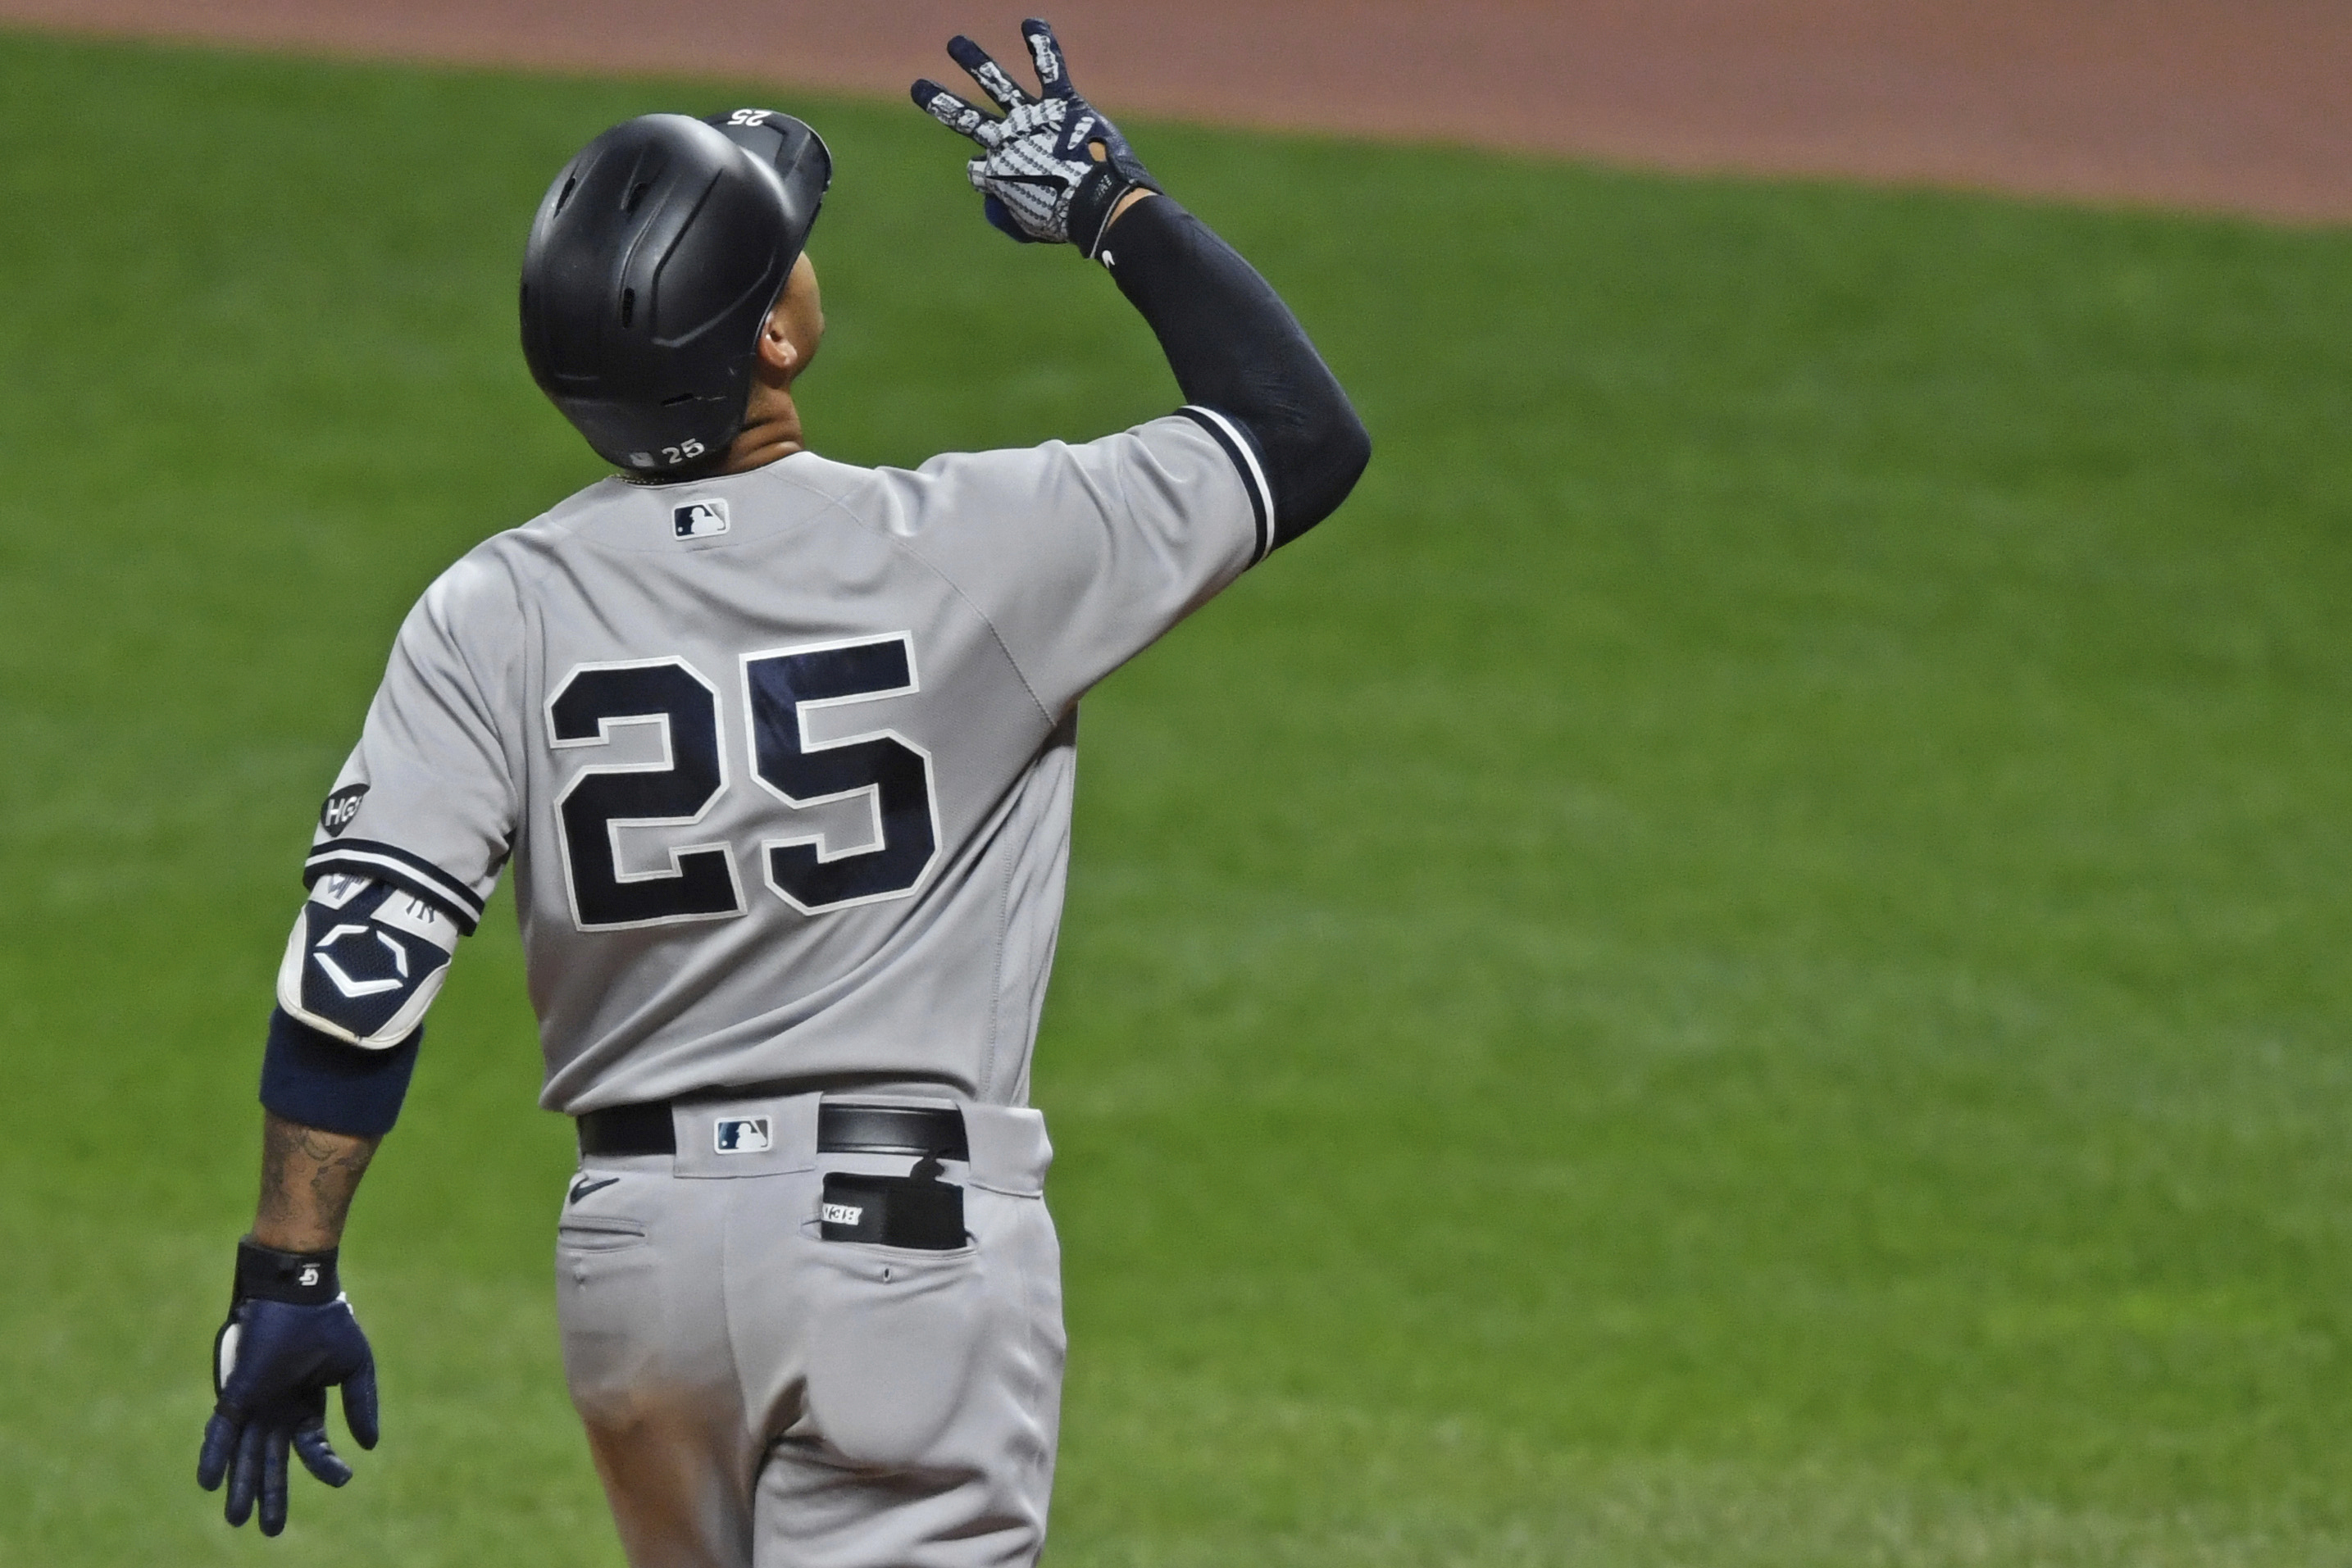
x=699, y=519
x=742, y=1135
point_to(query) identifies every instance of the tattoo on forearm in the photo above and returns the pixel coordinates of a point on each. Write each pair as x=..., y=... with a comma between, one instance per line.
x=308, y=1178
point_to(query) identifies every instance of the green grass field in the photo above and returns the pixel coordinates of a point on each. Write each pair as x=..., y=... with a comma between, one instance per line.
x=1743, y=962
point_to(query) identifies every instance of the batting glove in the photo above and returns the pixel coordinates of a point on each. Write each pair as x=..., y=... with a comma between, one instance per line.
x=290, y=1334
x=1053, y=168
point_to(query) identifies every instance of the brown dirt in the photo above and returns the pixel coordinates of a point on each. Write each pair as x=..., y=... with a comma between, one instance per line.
x=2236, y=105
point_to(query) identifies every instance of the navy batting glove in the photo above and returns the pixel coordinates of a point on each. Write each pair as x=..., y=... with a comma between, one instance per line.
x=289, y=1336
x=1053, y=168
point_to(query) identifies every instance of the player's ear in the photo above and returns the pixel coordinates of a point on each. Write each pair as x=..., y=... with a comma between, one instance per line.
x=794, y=326
x=789, y=339
x=778, y=354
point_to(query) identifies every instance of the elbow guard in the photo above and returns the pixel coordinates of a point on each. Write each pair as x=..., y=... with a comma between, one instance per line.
x=364, y=961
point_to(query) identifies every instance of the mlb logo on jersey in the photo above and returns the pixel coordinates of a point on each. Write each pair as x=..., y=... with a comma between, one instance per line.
x=742, y=1135
x=699, y=519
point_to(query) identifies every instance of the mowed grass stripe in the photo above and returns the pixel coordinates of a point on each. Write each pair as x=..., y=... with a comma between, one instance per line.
x=1739, y=964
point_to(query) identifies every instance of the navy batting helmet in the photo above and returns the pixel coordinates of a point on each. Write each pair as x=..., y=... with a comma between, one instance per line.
x=654, y=261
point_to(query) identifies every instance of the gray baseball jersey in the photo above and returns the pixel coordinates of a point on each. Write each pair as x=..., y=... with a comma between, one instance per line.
x=783, y=759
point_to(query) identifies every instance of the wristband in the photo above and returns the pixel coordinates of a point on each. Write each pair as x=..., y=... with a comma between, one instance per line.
x=303, y=1279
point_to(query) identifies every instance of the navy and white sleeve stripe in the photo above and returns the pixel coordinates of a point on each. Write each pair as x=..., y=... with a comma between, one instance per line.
x=1242, y=449
x=389, y=863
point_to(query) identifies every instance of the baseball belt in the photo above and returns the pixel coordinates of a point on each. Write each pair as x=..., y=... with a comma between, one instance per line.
x=841, y=1129
x=915, y=1210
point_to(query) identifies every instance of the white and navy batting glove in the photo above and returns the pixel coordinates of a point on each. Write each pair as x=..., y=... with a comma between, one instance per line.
x=290, y=1337
x=1053, y=168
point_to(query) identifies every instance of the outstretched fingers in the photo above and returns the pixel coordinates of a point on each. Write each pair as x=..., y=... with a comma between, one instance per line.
x=318, y=1455
x=359, y=1406
x=243, y=1475
x=221, y=1434
x=273, y=1482
x=1000, y=88
x=1052, y=75
x=955, y=113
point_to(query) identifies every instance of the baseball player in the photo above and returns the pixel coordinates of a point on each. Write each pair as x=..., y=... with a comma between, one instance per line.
x=781, y=751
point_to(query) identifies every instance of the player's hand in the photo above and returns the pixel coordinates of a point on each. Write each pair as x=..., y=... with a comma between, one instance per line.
x=1053, y=168
x=273, y=1362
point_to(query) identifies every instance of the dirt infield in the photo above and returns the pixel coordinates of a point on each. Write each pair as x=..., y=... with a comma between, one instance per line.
x=2239, y=105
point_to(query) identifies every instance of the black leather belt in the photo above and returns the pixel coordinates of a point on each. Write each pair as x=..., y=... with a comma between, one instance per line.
x=841, y=1129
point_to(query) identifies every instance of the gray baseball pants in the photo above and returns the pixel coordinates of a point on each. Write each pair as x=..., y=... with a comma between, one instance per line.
x=757, y=1396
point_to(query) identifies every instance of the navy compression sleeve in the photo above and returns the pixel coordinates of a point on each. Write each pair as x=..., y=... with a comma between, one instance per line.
x=1236, y=348
x=311, y=1077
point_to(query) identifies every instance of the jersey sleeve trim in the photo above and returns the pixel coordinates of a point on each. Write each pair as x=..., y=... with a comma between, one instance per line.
x=1243, y=453
x=389, y=863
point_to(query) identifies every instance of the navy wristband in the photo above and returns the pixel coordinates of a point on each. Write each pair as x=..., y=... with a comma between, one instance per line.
x=305, y=1279
x=312, y=1078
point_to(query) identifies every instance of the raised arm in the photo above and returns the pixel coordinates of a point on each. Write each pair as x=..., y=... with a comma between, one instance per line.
x=1236, y=348
x=1053, y=168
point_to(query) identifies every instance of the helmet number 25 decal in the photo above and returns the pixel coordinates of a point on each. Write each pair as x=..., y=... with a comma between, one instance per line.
x=784, y=690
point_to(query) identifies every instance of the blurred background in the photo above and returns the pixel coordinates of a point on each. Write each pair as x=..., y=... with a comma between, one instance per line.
x=2243, y=105
x=1742, y=962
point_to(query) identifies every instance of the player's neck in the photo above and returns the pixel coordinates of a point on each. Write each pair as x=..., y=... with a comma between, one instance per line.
x=772, y=431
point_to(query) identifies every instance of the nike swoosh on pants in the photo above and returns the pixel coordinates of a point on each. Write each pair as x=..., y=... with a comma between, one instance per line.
x=587, y=1184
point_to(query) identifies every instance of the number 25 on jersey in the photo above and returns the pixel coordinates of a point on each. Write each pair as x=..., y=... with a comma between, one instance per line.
x=780, y=689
